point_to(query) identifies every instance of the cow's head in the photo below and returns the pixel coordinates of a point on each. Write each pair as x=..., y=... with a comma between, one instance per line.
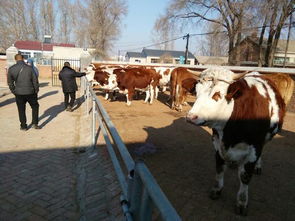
x=213, y=106
x=112, y=82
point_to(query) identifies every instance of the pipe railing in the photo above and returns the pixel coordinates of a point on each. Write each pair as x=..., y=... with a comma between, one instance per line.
x=140, y=192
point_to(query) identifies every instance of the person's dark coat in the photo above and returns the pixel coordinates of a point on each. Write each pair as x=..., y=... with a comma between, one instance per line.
x=22, y=80
x=68, y=79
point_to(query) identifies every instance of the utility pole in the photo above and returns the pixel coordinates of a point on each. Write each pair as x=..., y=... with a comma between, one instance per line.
x=186, y=48
x=118, y=55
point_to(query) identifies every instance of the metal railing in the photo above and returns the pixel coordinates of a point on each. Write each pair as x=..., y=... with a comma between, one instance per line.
x=140, y=192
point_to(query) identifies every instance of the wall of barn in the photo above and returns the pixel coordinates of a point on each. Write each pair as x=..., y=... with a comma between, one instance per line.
x=44, y=71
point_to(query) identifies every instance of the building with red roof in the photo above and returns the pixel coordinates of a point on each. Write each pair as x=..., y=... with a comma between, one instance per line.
x=40, y=51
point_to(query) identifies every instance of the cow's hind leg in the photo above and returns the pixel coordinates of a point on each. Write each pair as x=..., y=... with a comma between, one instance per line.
x=245, y=173
x=219, y=179
x=258, y=166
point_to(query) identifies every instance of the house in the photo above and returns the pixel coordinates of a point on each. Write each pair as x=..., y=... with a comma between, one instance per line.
x=249, y=52
x=159, y=56
x=40, y=51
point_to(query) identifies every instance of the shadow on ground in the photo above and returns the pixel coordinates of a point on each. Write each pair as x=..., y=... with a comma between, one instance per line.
x=12, y=100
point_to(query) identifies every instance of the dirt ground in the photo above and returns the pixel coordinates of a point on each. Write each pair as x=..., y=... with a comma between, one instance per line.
x=182, y=161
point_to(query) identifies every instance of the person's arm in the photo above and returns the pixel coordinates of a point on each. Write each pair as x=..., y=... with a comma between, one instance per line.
x=11, y=81
x=35, y=81
x=79, y=74
x=59, y=75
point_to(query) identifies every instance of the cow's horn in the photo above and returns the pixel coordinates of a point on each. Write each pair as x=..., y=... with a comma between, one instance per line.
x=194, y=72
x=238, y=76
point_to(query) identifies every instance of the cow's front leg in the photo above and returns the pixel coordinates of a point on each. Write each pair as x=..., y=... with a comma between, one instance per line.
x=152, y=92
x=129, y=96
x=156, y=92
x=147, y=96
x=106, y=97
x=258, y=166
x=219, y=179
x=245, y=173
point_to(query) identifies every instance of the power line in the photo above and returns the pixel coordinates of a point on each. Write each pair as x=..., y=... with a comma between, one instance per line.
x=199, y=34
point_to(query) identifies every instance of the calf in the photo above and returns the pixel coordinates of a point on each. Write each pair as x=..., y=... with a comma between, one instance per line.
x=244, y=114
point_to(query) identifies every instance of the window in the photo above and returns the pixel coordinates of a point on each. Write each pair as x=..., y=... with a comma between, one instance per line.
x=280, y=60
x=155, y=60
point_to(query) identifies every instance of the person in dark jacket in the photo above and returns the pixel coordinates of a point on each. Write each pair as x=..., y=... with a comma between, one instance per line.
x=24, y=84
x=69, y=86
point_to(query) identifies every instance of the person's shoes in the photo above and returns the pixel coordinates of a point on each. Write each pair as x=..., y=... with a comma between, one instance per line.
x=35, y=126
x=70, y=109
x=24, y=128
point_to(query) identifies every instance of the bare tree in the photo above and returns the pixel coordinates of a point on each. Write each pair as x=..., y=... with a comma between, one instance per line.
x=162, y=32
x=47, y=15
x=13, y=22
x=104, y=18
x=32, y=14
x=275, y=18
x=228, y=14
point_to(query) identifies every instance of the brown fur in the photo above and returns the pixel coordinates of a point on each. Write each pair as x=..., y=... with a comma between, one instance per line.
x=178, y=75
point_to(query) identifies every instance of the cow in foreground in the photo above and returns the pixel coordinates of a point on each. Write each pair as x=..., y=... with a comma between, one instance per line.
x=244, y=114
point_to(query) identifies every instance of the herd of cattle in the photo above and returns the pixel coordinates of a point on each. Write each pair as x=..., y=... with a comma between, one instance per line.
x=244, y=110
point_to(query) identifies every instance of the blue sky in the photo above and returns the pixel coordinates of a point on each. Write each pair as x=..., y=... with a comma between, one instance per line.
x=138, y=25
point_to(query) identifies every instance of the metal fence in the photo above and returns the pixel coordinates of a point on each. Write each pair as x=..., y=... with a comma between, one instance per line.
x=141, y=194
x=56, y=66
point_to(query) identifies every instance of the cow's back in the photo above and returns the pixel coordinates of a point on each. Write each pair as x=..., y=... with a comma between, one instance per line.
x=284, y=84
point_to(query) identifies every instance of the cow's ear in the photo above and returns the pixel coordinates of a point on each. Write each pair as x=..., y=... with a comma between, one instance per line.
x=233, y=92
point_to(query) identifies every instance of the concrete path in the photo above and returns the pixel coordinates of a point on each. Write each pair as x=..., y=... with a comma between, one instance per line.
x=44, y=174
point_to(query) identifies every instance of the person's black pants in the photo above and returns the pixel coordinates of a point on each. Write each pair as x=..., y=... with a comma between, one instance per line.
x=67, y=96
x=21, y=101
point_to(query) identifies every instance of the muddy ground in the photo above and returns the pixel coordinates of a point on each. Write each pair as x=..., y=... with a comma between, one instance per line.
x=184, y=165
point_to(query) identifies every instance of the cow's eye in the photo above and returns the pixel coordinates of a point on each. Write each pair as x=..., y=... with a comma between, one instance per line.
x=216, y=96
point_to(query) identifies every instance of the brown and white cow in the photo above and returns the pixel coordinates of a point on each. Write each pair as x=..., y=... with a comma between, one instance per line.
x=244, y=115
x=179, y=78
x=164, y=82
x=132, y=79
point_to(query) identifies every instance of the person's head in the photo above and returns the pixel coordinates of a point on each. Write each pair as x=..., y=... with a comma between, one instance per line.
x=67, y=64
x=18, y=57
x=30, y=62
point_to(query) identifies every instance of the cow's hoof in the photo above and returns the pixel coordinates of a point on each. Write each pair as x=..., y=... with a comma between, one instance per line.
x=258, y=171
x=241, y=210
x=215, y=194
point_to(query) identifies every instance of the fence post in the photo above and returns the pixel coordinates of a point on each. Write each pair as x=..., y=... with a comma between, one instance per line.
x=93, y=122
x=136, y=194
x=146, y=207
